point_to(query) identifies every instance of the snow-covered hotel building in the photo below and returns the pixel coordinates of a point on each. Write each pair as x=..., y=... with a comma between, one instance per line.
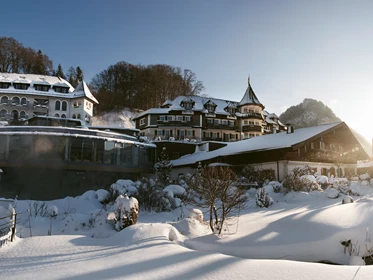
x=208, y=119
x=23, y=96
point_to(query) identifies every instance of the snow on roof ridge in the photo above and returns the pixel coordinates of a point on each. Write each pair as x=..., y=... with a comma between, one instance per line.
x=82, y=87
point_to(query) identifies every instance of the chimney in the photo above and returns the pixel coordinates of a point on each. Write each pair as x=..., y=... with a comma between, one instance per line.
x=289, y=128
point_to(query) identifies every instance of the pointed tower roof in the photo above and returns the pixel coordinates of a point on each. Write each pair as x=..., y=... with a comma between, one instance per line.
x=83, y=88
x=250, y=97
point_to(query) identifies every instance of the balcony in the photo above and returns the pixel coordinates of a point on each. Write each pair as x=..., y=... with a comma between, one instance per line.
x=175, y=123
x=251, y=128
x=221, y=126
x=252, y=115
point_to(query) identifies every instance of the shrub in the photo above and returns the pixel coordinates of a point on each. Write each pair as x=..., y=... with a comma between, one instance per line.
x=263, y=200
x=126, y=212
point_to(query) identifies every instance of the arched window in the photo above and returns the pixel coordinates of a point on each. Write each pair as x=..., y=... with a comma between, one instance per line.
x=79, y=116
x=14, y=115
x=63, y=116
x=57, y=105
x=57, y=115
x=4, y=100
x=3, y=113
x=74, y=116
x=64, y=106
x=22, y=115
x=24, y=101
x=16, y=100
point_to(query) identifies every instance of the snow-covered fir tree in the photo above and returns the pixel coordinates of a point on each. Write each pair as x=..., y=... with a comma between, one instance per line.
x=163, y=169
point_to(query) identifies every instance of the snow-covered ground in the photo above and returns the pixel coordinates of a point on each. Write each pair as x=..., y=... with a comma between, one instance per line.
x=282, y=242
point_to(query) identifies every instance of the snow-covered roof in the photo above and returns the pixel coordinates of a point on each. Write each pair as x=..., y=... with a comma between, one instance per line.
x=265, y=142
x=33, y=79
x=199, y=105
x=83, y=90
x=250, y=97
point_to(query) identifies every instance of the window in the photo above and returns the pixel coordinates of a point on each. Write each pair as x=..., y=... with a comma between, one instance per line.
x=61, y=89
x=179, y=118
x=74, y=116
x=188, y=118
x=256, y=123
x=213, y=135
x=21, y=86
x=245, y=110
x=57, y=115
x=231, y=123
x=190, y=132
x=22, y=115
x=16, y=100
x=162, y=118
x=78, y=117
x=142, y=121
x=57, y=105
x=4, y=100
x=224, y=122
x=3, y=113
x=64, y=106
x=312, y=145
x=41, y=87
x=169, y=118
x=210, y=121
x=246, y=122
x=14, y=115
x=322, y=145
x=216, y=121
x=251, y=123
x=63, y=116
x=4, y=85
x=210, y=108
x=24, y=101
x=246, y=135
x=188, y=105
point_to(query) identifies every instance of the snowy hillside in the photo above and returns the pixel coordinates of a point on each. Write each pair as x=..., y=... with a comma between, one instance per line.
x=117, y=119
x=308, y=113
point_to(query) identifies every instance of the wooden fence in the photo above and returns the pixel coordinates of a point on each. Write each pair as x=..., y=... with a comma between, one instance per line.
x=8, y=228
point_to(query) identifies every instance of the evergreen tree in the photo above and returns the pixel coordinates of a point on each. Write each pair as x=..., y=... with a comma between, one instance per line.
x=79, y=74
x=163, y=169
x=59, y=72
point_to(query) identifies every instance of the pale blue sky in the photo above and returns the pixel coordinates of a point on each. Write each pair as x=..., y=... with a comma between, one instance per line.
x=292, y=49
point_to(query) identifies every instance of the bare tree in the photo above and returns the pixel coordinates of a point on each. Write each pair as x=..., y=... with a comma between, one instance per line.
x=216, y=188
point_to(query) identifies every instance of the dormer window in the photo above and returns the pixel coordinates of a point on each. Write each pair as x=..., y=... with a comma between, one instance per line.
x=187, y=103
x=21, y=86
x=61, y=89
x=42, y=87
x=4, y=85
x=210, y=107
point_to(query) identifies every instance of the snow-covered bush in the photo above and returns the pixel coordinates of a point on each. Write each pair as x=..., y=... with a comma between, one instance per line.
x=126, y=212
x=332, y=193
x=102, y=195
x=310, y=184
x=347, y=199
x=277, y=186
x=122, y=187
x=323, y=181
x=364, y=177
x=301, y=180
x=263, y=200
x=152, y=197
x=195, y=214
